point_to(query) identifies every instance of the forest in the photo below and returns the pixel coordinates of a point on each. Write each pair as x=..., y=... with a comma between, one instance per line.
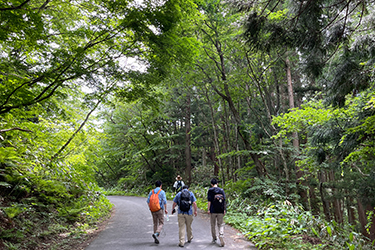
x=274, y=98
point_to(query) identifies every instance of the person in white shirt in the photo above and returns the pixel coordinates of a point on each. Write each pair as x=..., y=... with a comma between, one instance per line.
x=178, y=184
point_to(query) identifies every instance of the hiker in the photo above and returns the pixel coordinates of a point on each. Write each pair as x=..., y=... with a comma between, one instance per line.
x=185, y=201
x=216, y=209
x=157, y=202
x=178, y=184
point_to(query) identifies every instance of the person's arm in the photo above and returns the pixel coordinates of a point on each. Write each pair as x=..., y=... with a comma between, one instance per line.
x=209, y=200
x=193, y=199
x=173, y=207
x=195, y=208
x=165, y=203
x=225, y=203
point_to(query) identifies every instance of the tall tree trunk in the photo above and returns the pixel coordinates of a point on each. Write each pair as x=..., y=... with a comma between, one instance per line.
x=336, y=202
x=238, y=157
x=299, y=172
x=313, y=201
x=227, y=143
x=281, y=108
x=225, y=172
x=214, y=160
x=291, y=106
x=326, y=209
x=362, y=218
x=204, y=155
x=350, y=209
x=188, y=139
x=216, y=139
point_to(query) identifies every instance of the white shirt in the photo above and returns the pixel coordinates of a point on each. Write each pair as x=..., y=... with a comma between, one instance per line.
x=176, y=183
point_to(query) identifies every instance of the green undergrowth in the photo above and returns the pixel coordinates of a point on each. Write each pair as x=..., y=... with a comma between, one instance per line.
x=30, y=223
x=283, y=225
x=120, y=192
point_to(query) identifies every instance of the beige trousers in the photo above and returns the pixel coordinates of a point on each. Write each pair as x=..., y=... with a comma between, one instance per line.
x=158, y=219
x=219, y=220
x=184, y=220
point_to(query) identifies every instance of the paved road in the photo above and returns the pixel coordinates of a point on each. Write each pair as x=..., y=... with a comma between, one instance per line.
x=131, y=228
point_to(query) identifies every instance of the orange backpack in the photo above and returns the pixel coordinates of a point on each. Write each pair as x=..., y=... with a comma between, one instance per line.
x=154, y=201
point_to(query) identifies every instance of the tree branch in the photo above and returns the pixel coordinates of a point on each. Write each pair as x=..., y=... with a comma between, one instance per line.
x=16, y=128
x=15, y=7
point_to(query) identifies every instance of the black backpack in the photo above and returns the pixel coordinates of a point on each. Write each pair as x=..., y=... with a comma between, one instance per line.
x=219, y=203
x=185, y=201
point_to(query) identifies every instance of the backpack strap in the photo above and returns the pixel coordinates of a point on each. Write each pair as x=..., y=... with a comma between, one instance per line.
x=153, y=191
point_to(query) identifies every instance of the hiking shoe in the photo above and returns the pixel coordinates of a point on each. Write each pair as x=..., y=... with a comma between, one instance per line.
x=213, y=241
x=180, y=245
x=155, y=236
x=222, y=241
x=189, y=241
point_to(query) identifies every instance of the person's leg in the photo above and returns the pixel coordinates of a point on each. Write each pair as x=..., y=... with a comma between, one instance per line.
x=220, y=225
x=155, y=221
x=213, y=226
x=160, y=220
x=189, y=221
x=181, y=229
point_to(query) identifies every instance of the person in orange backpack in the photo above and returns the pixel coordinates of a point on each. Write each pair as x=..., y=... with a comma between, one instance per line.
x=157, y=202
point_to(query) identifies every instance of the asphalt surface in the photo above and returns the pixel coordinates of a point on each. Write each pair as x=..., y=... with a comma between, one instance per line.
x=131, y=228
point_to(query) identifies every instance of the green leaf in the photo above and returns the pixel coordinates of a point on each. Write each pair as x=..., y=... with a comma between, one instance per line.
x=5, y=184
x=329, y=231
x=351, y=237
x=315, y=232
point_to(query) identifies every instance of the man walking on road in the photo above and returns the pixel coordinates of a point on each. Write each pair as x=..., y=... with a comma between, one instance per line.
x=157, y=202
x=216, y=209
x=185, y=201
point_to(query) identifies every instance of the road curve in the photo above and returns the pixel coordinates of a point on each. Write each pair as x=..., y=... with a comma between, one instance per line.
x=131, y=228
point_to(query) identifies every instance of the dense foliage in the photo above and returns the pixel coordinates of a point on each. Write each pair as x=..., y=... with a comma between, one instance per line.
x=59, y=62
x=275, y=98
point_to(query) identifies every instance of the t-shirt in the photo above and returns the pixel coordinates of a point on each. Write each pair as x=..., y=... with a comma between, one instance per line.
x=176, y=183
x=211, y=195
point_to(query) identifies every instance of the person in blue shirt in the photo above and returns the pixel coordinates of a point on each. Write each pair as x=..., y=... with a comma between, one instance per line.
x=158, y=216
x=186, y=201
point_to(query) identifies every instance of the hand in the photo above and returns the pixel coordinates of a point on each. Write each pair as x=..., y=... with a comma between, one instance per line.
x=166, y=212
x=195, y=213
x=173, y=211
